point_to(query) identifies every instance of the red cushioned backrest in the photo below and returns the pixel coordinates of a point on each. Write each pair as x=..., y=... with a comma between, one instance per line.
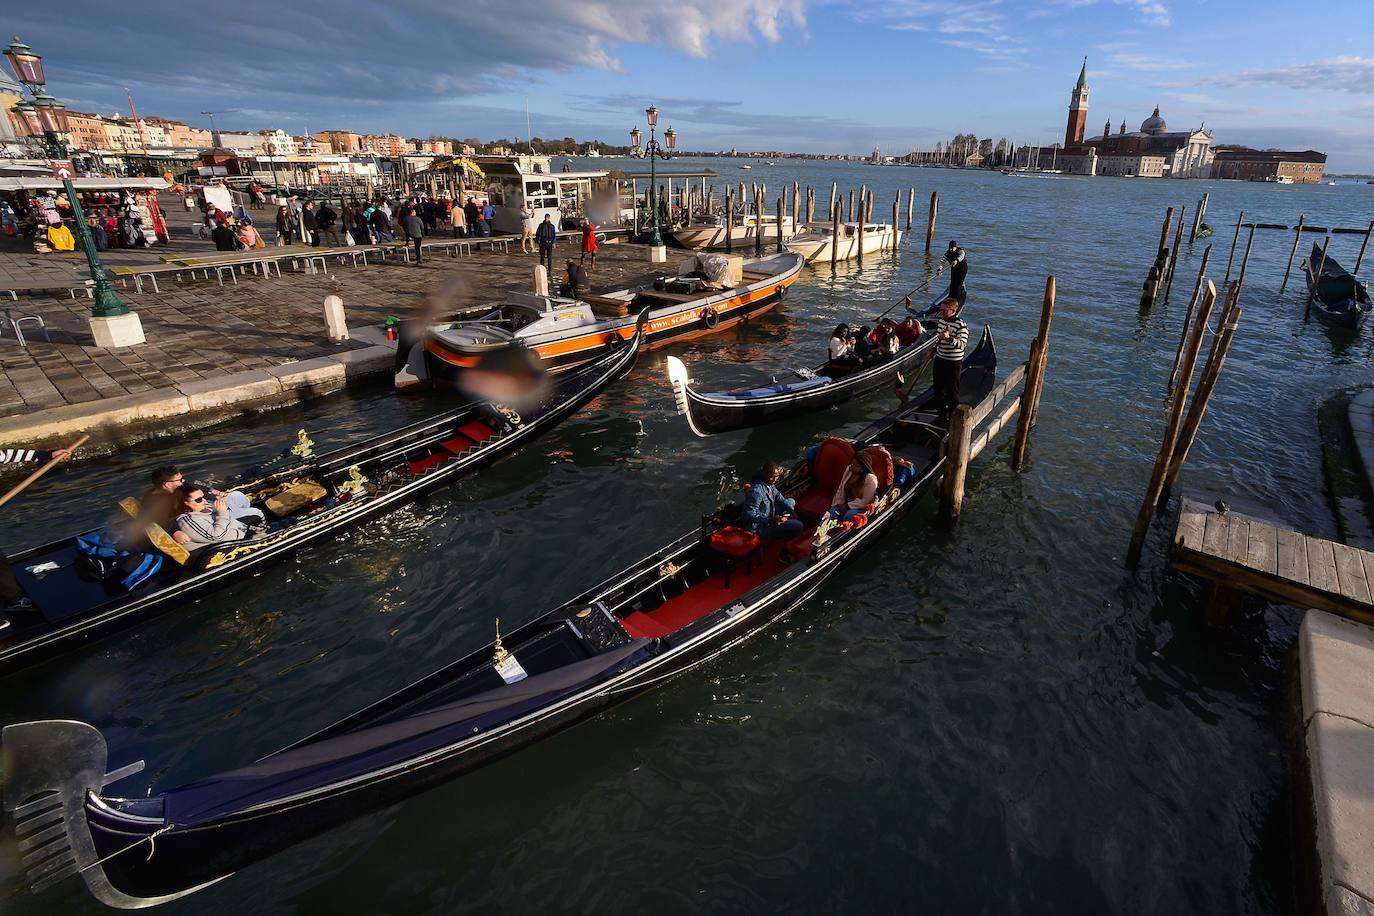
x=832, y=458
x=882, y=465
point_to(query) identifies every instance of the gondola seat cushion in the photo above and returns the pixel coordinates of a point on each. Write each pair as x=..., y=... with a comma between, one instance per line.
x=882, y=465
x=733, y=542
x=827, y=468
x=294, y=499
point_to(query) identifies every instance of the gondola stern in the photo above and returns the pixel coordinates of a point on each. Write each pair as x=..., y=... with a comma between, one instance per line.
x=50, y=767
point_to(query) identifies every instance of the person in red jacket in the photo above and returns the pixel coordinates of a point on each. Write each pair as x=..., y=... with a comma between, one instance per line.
x=588, y=243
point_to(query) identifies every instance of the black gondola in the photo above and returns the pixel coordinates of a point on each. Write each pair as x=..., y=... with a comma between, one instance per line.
x=713, y=412
x=1338, y=295
x=675, y=608
x=308, y=501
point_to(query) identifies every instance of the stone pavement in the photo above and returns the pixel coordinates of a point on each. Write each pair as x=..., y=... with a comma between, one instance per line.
x=197, y=330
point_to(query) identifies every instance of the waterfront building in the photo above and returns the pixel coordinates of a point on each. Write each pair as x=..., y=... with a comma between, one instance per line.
x=87, y=131
x=1154, y=151
x=1245, y=164
x=339, y=141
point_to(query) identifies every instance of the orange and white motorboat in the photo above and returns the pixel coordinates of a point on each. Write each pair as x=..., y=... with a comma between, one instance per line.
x=563, y=332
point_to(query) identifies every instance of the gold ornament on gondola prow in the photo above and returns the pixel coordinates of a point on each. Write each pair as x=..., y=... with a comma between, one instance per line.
x=303, y=448
x=356, y=484
x=500, y=655
x=668, y=570
x=824, y=528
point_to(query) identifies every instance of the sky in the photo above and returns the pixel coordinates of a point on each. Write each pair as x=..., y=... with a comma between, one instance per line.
x=839, y=76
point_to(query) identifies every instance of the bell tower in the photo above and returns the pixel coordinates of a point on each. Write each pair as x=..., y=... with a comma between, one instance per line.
x=1078, y=110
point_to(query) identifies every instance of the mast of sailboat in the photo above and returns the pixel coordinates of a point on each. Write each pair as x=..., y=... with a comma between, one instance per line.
x=529, y=133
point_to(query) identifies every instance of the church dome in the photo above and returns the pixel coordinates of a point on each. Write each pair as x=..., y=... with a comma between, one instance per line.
x=1154, y=124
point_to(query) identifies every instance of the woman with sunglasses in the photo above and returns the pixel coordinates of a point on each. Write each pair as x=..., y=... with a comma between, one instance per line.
x=204, y=522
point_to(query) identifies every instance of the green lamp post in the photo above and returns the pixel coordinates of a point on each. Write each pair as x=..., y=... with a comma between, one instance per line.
x=654, y=150
x=46, y=119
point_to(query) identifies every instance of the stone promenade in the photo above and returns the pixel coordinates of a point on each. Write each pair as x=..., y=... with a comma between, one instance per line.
x=198, y=331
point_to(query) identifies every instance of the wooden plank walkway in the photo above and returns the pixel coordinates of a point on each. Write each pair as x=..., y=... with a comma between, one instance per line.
x=1242, y=552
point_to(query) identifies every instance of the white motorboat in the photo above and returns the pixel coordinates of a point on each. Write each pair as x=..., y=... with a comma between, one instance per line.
x=709, y=232
x=814, y=241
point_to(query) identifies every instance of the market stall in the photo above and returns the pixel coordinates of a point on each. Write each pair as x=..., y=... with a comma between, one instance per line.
x=121, y=212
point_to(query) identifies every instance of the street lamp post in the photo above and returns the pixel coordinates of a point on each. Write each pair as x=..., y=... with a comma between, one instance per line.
x=657, y=252
x=112, y=323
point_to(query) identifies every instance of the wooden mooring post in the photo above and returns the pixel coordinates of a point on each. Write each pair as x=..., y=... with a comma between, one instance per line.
x=1207, y=383
x=810, y=204
x=834, y=233
x=930, y=223
x=1245, y=260
x=1365, y=244
x=830, y=207
x=758, y=222
x=859, y=236
x=910, y=207
x=849, y=208
x=780, y=197
x=1188, y=316
x=729, y=219
x=1164, y=233
x=896, y=202
x=1297, y=237
x=796, y=209
x=1173, y=255
x=1171, y=427
x=966, y=441
x=1035, y=377
x=1198, y=217
x=1234, y=239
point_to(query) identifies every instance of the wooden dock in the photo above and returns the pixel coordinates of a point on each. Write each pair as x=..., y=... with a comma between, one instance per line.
x=1242, y=551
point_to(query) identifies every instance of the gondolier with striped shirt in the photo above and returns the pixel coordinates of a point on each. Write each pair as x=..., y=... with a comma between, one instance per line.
x=951, y=341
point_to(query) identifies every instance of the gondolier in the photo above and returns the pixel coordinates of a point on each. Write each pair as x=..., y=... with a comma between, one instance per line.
x=952, y=338
x=958, y=264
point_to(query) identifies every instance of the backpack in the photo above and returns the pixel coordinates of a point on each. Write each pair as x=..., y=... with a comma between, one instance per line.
x=100, y=558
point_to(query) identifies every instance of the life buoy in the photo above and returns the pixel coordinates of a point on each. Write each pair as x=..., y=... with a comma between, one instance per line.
x=709, y=318
x=614, y=342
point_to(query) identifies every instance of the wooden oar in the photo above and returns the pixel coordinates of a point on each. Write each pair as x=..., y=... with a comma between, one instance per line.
x=23, y=484
x=907, y=298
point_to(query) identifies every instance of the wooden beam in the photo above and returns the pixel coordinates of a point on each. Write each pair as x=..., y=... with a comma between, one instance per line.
x=956, y=464
x=989, y=432
x=1363, y=246
x=1297, y=237
x=930, y=223
x=1173, y=256
x=1035, y=376
x=1188, y=316
x=998, y=394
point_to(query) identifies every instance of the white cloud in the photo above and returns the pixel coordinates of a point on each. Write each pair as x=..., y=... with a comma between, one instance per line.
x=1343, y=74
x=1153, y=12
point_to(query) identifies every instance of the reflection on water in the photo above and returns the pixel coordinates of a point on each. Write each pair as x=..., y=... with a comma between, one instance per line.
x=995, y=718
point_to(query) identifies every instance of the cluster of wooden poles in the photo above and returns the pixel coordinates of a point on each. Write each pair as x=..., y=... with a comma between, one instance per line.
x=742, y=200
x=1185, y=414
x=963, y=446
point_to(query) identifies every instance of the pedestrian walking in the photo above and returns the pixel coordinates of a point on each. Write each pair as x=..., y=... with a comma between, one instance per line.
x=325, y=218
x=588, y=243
x=472, y=213
x=309, y=225
x=526, y=229
x=546, y=235
x=284, y=226
x=414, y=227
x=460, y=221
x=484, y=221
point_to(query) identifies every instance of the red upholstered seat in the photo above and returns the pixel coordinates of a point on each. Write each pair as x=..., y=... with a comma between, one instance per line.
x=832, y=457
x=882, y=466
x=733, y=542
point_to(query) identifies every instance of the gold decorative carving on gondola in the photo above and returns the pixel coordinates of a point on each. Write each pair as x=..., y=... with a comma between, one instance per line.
x=248, y=547
x=303, y=448
x=824, y=528
x=888, y=499
x=668, y=570
x=356, y=484
x=500, y=654
x=510, y=414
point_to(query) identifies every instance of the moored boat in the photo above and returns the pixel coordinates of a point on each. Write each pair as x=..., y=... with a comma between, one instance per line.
x=814, y=242
x=563, y=333
x=1338, y=296
x=312, y=499
x=713, y=412
x=708, y=233
x=677, y=607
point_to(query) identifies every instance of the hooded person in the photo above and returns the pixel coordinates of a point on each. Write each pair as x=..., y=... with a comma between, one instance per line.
x=767, y=512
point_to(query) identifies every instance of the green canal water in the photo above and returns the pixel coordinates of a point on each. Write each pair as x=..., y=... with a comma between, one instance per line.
x=997, y=718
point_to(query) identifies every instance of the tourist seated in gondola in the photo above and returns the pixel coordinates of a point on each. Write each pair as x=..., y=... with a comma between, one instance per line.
x=857, y=490
x=885, y=342
x=909, y=330
x=863, y=344
x=766, y=512
x=202, y=522
x=842, y=359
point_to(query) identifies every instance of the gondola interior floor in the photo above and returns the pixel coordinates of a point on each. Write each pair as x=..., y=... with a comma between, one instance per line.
x=469, y=434
x=706, y=596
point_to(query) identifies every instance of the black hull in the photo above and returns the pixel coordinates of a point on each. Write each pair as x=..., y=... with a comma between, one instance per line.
x=710, y=415
x=31, y=647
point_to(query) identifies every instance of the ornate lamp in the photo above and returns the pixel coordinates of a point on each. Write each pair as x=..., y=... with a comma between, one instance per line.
x=670, y=138
x=651, y=115
x=27, y=66
x=634, y=137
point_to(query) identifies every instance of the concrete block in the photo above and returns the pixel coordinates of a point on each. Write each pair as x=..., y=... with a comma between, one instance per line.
x=1338, y=754
x=658, y=254
x=219, y=391
x=324, y=373
x=367, y=361
x=1341, y=902
x=1336, y=661
x=117, y=331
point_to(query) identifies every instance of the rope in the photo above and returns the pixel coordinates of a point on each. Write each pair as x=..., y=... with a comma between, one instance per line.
x=149, y=839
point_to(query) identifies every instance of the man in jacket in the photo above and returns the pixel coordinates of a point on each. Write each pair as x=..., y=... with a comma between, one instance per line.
x=545, y=236
x=488, y=214
x=766, y=511
x=309, y=225
x=381, y=225
x=414, y=228
x=471, y=214
x=325, y=218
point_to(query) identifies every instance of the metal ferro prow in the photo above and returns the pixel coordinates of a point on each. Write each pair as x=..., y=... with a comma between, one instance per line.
x=48, y=769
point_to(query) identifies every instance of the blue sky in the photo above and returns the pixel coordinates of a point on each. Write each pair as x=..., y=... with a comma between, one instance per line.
x=753, y=74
